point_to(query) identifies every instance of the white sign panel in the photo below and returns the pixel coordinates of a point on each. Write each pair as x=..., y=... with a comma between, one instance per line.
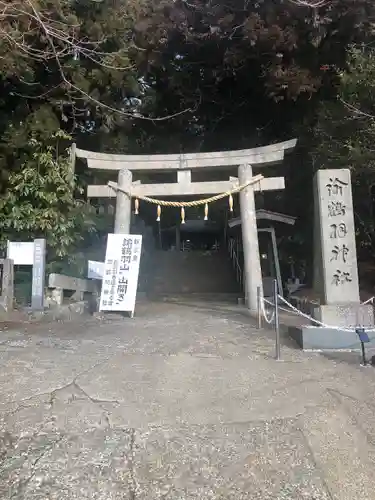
x=95, y=270
x=22, y=253
x=121, y=269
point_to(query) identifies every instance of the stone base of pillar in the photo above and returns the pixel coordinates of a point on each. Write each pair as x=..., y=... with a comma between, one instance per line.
x=327, y=339
x=345, y=315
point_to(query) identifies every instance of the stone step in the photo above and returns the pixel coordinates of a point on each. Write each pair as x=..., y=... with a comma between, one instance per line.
x=200, y=297
x=190, y=272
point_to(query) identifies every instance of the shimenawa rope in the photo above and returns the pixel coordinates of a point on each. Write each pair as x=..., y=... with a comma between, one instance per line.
x=185, y=204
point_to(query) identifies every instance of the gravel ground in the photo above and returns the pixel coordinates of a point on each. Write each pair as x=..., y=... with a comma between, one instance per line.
x=182, y=402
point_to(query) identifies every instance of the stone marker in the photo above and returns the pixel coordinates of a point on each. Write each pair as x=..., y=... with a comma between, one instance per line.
x=39, y=269
x=335, y=255
x=7, y=284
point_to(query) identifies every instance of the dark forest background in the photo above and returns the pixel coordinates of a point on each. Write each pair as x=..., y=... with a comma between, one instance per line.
x=151, y=76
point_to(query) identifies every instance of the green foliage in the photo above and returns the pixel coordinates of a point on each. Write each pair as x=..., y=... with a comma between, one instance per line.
x=243, y=66
x=40, y=201
x=345, y=137
x=72, y=58
x=233, y=75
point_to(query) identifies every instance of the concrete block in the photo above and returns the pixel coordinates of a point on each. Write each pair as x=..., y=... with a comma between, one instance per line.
x=65, y=312
x=319, y=338
x=78, y=296
x=70, y=283
x=58, y=296
x=345, y=315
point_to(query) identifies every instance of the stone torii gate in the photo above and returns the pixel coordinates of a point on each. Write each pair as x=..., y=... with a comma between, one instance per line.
x=183, y=164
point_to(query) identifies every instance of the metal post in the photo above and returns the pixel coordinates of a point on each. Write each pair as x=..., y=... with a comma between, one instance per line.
x=178, y=238
x=363, y=354
x=160, y=236
x=277, y=324
x=363, y=338
x=276, y=261
x=259, y=308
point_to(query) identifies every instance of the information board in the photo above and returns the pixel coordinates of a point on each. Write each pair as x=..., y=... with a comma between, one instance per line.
x=121, y=270
x=21, y=252
x=95, y=270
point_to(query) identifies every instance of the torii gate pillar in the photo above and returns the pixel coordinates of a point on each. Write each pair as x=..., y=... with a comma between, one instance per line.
x=252, y=269
x=123, y=202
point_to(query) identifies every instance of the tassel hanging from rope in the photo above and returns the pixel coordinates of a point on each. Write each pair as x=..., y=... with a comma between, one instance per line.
x=182, y=215
x=158, y=213
x=206, y=211
x=230, y=203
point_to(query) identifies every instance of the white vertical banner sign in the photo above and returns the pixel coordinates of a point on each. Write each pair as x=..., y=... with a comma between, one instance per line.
x=121, y=269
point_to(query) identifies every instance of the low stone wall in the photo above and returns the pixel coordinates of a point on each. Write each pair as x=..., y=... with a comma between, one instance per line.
x=76, y=287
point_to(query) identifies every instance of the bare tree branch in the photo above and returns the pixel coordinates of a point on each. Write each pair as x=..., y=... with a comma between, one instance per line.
x=21, y=19
x=312, y=5
x=356, y=110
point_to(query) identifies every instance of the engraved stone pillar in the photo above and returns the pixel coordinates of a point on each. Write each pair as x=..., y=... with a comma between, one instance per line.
x=335, y=256
x=253, y=273
x=7, y=286
x=39, y=275
x=123, y=202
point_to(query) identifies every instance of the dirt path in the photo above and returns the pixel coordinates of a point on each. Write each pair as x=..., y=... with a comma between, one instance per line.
x=179, y=403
